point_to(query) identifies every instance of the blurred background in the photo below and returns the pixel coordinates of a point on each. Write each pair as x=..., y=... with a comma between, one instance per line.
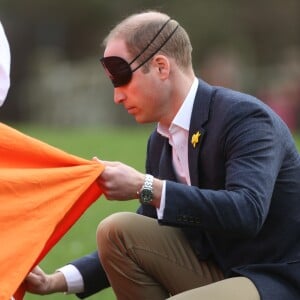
x=253, y=46
x=60, y=95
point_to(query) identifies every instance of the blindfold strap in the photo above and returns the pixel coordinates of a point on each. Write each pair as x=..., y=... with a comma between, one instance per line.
x=153, y=39
x=171, y=34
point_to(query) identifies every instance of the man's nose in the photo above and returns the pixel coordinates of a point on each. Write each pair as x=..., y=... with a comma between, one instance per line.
x=119, y=96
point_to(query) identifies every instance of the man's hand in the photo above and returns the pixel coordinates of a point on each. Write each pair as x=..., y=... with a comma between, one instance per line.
x=122, y=182
x=119, y=181
x=38, y=282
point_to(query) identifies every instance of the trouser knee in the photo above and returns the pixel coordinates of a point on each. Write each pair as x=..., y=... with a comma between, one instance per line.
x=111, y=229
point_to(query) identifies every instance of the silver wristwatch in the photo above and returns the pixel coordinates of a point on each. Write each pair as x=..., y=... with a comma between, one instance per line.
x=146, y=192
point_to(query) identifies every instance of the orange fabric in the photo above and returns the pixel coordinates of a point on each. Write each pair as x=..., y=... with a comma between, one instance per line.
x=43, y=191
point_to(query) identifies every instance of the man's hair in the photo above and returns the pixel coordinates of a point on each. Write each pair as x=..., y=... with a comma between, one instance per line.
x=138, y=30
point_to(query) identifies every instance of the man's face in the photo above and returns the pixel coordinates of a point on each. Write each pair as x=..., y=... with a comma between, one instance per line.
x=143, y=95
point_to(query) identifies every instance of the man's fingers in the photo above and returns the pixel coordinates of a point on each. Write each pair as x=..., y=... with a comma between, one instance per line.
x=31, y=277
x=106, y=162
x=37, y=270
x=95, y=158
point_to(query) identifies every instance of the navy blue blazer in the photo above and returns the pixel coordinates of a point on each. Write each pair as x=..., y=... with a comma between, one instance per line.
x=243, y=208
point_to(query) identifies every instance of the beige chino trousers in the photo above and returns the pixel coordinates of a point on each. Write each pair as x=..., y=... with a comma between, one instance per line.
x=147, y=261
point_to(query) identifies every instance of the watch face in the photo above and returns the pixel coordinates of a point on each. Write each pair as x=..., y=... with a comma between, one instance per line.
x=146, y=196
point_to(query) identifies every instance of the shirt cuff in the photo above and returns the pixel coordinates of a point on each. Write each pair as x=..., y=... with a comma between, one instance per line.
x=160, y=210
x=73, y=278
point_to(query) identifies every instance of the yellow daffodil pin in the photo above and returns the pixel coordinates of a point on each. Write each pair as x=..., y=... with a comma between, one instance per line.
x=195, y=139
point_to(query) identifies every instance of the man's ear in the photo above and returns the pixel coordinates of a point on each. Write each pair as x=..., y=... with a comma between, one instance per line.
x=162, y=65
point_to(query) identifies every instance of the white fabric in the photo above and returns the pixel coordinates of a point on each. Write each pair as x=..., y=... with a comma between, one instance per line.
x=73, y=278
x=4, y=65
x=178, y=135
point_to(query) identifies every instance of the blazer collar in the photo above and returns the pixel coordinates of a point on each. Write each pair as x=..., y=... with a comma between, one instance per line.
x=200, y=116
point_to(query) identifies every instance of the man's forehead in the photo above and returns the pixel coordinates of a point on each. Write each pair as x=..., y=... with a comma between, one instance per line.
x=116, y=47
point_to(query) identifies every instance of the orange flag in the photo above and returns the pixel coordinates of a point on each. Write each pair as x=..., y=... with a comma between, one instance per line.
x=43, y=191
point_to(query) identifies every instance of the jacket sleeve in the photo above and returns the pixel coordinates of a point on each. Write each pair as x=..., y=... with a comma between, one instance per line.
x=93, y=275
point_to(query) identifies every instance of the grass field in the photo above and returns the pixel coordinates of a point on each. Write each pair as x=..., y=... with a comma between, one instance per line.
x=122, y=144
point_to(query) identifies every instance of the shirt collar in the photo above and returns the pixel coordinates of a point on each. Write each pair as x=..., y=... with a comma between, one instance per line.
x=183, y=116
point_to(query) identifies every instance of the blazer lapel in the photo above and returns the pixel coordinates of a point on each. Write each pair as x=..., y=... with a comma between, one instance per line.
x=200, y=116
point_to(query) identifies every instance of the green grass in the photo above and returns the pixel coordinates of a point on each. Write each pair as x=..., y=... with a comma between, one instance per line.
x=122, y=144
